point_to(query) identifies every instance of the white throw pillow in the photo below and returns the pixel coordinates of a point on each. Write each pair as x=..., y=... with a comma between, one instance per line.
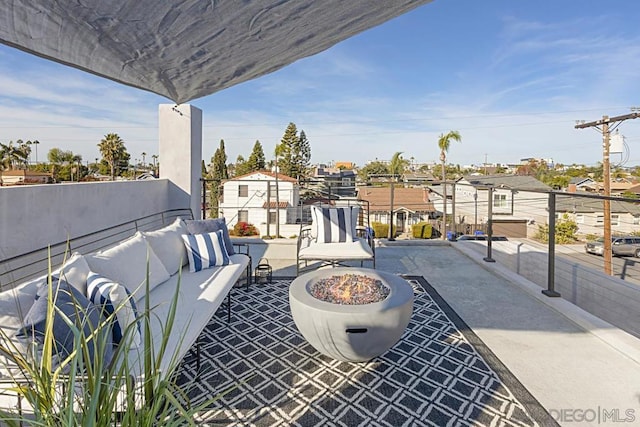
x=74, y=271
x=206, y=250
x=126, y=263
x=335, y=225
x=168, y=246
x=112, y=297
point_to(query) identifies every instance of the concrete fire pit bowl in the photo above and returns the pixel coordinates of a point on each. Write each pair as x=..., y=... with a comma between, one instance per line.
x=356, y=332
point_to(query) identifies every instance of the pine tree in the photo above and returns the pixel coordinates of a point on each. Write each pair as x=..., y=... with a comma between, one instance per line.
x=294, y=153
x=218, y=174
x=303, y=155
x=256, y=160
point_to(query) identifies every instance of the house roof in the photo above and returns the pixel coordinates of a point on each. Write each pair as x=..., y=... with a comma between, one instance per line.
x=273, y=205
x=269, y=174
x=412, y=199
x=515, y=182
x=589, y=205
x=191, y=48
x=23, y=172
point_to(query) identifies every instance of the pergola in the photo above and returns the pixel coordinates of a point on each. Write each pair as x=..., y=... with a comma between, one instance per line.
x=186, y=49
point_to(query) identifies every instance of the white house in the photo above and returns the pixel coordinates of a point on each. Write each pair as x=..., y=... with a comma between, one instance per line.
x=256, y=198
x=517, y=207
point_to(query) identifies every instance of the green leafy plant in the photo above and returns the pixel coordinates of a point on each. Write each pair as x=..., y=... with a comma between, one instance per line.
x=565, y=231
x=382, y=230
x=83, y=391
x=422, y=230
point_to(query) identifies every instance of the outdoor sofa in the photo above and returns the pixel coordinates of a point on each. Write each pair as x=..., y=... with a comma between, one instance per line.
x=165, y=252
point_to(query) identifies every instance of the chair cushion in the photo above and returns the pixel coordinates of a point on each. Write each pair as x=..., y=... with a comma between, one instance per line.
x=126, y=263
x=168, y=246
x=335, y=224
x=202, y=226
x=77, y=308
x=205, y=250
x=111, y=297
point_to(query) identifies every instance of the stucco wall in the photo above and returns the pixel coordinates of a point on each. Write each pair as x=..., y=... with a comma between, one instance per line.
x=32, y=217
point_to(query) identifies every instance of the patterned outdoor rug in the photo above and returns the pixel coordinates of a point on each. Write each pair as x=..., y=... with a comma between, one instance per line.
x=439, y=374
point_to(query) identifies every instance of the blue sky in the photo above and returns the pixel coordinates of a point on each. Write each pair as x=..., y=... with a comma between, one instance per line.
x=511, y=76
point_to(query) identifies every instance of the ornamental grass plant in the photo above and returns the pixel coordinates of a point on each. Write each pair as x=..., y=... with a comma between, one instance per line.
x=83, y=390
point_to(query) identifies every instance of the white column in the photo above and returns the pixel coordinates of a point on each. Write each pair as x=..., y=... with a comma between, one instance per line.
x=180, y=152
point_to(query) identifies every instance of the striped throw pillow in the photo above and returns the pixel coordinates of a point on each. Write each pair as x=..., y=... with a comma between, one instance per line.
x=335, y=225
x=206, y=250
x=112, y=297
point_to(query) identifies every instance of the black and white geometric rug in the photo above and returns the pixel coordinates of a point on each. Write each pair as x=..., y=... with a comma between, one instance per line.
x=439, y=374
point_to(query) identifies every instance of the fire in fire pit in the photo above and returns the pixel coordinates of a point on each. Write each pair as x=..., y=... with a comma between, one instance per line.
x=349, y=289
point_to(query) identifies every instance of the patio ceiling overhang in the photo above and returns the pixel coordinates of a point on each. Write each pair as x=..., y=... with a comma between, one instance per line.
x=186, y=49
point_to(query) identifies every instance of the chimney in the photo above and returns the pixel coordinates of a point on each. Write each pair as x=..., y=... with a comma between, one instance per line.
x=572, y=188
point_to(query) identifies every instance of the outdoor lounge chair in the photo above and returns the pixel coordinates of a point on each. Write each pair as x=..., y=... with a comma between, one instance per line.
x=336, y=235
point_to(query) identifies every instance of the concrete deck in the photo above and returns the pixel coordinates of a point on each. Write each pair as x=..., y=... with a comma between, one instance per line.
x=582, y=369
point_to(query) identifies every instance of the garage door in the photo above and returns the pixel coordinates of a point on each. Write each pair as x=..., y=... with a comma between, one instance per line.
x=510, y=228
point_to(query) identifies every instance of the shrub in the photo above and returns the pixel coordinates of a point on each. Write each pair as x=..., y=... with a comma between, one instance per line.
x=382, y=230
x=566, y=230
x=422, y=230
x=244, y=229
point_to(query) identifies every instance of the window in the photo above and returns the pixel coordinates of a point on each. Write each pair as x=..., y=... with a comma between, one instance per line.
x=580, y=218
x=636, y=219
x=499, y=200
x=273, y=191
x=599, y=219
x=272, y=217
x=243, y=191
x=243, y=216
x=615, y=219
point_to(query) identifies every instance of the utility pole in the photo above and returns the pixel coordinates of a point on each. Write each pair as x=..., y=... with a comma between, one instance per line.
x=605, y=126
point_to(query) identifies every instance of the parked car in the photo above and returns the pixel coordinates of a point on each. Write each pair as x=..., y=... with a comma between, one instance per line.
x=482, y=237
x=626, y=245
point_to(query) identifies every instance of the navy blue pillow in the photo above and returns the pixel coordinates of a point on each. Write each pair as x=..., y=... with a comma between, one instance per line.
x=77, y=308
x=204, y=226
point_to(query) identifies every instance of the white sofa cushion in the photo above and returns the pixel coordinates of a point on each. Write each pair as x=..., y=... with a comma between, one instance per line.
x=206, y=250
x=126, y=263
x=168, y=246
x=74, y=271
x=200, y=295
x=112, y=298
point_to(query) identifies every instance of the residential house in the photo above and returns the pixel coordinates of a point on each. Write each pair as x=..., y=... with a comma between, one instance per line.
x=333, y=182
x=588, y=213
x=252, y=198
x=413, y=179
x=22, y=177
x=518, y=203
x=410, y=205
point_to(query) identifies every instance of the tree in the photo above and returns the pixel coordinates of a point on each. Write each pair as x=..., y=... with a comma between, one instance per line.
x=372, y=168
x=397, y=165
x=256, y=160
x=12, y=156
x=241, y=167
x=218, y=173
x=444, y=141
x=113, y=152
x=295, y=153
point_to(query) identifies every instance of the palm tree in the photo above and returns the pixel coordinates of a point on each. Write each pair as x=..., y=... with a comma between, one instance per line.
x=112, y=150
x=444, y=141
x=144, y=160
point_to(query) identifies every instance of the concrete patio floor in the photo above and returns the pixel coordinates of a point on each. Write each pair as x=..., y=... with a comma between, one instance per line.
x=581, y=369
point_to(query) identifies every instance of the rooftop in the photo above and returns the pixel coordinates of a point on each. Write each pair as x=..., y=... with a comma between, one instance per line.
x=565, y=358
